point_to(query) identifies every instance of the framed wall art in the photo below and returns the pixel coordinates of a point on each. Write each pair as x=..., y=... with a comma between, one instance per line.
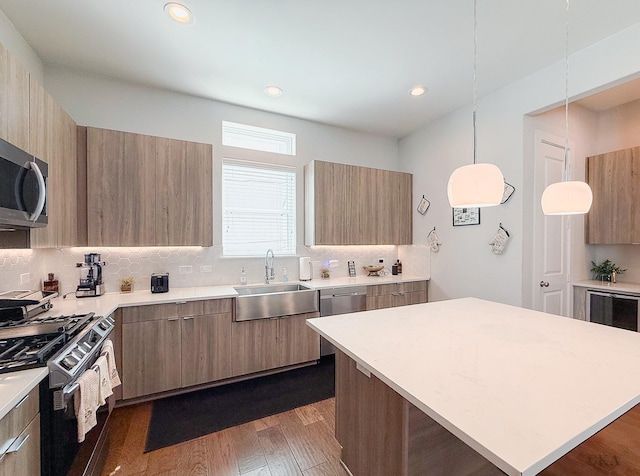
x=466, y=216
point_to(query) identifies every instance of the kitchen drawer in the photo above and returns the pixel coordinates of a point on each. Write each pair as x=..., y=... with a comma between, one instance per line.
x=205, y=308
x=25, y=460
x=218, y=306
x=151, y=312
x=395, y=288
x=18, y=418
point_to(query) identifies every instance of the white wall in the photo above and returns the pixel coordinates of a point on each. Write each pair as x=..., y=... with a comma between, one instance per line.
x=465, y=265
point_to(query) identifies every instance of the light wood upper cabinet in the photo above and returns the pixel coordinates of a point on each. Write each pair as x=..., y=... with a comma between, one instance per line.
x=121, y=188
x=52, y=138
x=351, y=205
x=150, y=191
x=14, y=101
x=183, y=193
x=614, y=178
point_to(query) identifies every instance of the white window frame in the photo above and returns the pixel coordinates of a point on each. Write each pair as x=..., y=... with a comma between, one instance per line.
x=248, y=219
x=258, y=138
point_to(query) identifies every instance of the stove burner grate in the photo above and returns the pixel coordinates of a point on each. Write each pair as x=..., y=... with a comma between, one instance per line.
x=21, y=353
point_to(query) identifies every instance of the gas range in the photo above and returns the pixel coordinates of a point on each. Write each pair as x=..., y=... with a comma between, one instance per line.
x=63, y=343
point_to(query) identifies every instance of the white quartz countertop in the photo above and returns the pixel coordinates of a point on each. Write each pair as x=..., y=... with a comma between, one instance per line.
x=606, y=286
x=361, y=281
x=521, y=387
x=109, y=302
x=14, y=386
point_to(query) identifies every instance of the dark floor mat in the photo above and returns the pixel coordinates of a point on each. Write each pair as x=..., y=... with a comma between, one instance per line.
x=184, y=417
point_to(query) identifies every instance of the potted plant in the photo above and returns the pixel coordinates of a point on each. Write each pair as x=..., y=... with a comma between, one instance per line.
x=126, y=284
x=606, y=271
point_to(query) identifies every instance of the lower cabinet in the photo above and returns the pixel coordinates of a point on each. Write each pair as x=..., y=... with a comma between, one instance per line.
x=264, y=344
x=382, y=296
x=170, y=346
x=20, y=438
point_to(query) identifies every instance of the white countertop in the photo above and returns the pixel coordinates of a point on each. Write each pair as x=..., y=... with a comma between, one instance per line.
x=614, y=287
x=361, y=281
x=15, y=385
x=519, y=386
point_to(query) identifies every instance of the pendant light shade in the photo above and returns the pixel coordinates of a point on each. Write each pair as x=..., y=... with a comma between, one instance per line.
x=567, y=198
x=476, y=185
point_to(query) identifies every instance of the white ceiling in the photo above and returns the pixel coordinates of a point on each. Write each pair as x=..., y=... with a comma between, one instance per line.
x=346, y=63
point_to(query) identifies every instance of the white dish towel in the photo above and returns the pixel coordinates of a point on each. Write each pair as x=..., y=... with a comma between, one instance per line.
x=104, y=388
x=85, y=402
x=107, y=351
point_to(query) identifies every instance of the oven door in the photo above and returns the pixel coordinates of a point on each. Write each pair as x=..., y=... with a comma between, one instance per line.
x=62, y=455
x=23, y=188
x=612, y=309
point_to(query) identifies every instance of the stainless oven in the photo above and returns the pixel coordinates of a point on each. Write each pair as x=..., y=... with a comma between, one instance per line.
x=68, y=346
x=614, y=309
x=23, y=188
x=62, y=454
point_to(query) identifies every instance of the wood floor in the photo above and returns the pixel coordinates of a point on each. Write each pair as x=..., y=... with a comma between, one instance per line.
x=298, y=442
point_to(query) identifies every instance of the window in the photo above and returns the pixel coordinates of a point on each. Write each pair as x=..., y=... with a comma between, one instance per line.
x=258, y=209
x=258, y=138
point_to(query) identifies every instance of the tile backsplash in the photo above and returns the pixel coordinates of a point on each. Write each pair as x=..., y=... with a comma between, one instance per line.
x=194, y=266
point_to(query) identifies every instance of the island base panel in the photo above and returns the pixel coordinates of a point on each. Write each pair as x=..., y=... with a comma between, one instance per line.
x=381, y=433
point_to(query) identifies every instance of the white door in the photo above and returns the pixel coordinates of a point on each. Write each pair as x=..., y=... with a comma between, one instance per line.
x=551, y=238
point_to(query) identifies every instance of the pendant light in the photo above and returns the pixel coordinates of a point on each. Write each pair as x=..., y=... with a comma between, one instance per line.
x=566, y=197
x=477, y=185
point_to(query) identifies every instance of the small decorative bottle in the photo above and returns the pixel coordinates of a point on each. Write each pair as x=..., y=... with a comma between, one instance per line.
x=399, y=267
x=243, y=276
x=285, y=278
x=51, y=284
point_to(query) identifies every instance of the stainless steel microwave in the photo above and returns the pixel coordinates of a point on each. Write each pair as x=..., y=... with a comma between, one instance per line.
x=23, y=188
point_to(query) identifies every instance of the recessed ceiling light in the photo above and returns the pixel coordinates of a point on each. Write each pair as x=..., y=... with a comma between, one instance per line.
x=179, y=13
x=417, y=90
x=273, y=91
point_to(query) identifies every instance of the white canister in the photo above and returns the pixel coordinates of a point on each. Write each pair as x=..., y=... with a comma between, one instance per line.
x=305, y=268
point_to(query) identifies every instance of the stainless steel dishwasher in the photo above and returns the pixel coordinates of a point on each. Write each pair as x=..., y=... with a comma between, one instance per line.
x=340, y=301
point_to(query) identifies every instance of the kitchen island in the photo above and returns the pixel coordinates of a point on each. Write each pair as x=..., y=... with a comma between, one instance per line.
x=470, y=386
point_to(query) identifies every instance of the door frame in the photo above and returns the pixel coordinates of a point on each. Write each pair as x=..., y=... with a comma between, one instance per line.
x=537, y=253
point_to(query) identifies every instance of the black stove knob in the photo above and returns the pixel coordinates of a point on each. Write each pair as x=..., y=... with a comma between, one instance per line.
x=103, y=326
x=69, y=362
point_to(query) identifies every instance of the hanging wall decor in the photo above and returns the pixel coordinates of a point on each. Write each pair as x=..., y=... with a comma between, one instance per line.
x=466, y=216
x=500, y=240
x=423, y=206
x=432, y=239
x=508, y=191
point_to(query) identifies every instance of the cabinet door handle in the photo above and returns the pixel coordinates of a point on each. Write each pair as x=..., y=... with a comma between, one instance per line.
x=14, y=449
x=181, y=302
x=173, y=319
x=22, y=401
x=188, y=318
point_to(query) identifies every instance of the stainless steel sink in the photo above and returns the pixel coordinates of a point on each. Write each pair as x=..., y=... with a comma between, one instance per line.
x=274, y=300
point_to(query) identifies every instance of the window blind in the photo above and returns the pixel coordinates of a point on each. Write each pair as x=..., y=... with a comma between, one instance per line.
x=258, y=209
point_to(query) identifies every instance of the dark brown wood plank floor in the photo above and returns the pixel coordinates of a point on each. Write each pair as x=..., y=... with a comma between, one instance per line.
x=298, y=442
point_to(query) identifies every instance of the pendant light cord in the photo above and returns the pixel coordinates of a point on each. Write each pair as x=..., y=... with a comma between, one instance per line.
x=475, y=80
x=566, y=95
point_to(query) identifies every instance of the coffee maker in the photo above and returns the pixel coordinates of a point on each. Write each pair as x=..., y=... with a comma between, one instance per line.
x=90, y=276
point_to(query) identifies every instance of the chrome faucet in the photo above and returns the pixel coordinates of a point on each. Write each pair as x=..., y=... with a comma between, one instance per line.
x=269, y=270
